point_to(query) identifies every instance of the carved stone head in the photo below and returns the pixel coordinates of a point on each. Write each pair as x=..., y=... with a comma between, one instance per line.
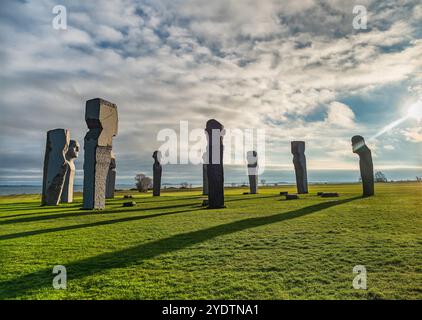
x=358, y=145
x=205, y=158
x=102, y=115
x=157, y=156
x=298, y=147
x=252, y=157
x=214, y=125
x=113, y=161
x=73, y=150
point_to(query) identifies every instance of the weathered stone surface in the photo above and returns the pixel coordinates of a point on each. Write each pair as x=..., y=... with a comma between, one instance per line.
x=329, y=195
x=111, y=178
x=252, y=158
x=205, y=174
x=71, y=154
x=102, y=120
x=299, y=161
x=365, y=164
x=205, y=203
x=292, y=196
x=157, y=171
x=215, y=132
x=55, y=166
x=129, y=204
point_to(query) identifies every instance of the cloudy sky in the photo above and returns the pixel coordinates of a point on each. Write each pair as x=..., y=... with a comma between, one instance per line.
x=297, y=69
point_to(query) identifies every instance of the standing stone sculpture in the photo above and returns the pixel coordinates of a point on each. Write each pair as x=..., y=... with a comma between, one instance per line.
x=101, y=118
x=299, y=161
x=365, y=164
x=215, y=132
x=111, y=178
x=157, y=169
x=205, y=174
x=71, y=155
x=55, y=166
x=252, y=158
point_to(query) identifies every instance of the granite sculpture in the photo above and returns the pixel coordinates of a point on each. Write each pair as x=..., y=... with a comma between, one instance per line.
x=71, y=154
x=157, y=171
x=111, y=178
x=365, y=164
x=55, y=166
x=215, y=172
x=252, y=158
x=102, y=120
x=299, y=161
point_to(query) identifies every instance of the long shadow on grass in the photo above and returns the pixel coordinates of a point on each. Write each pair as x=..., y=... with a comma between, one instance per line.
x=249, y=197
x=62, y=213
x=88, y=225
x=119, y=259
x=37, y=209
x=43, y=217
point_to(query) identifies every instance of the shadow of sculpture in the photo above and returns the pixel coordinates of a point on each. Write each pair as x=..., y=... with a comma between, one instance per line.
x=88, y=225
x=128, y=257
x=87, y=213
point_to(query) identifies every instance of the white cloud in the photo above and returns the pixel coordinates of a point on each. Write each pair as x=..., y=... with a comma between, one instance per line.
x=413, y=134
x=340, y=115
x=267, y=64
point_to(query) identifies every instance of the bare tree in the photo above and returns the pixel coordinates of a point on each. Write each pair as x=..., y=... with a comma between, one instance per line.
x=143, y=183
x=380, y=177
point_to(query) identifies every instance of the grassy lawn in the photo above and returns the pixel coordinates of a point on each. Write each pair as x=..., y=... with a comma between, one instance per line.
x=259, y=247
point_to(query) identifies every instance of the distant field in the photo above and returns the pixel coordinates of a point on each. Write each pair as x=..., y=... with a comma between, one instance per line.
x=259, y=247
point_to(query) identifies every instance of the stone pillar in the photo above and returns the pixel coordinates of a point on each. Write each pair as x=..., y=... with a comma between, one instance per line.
x=299, y=161
x=205, y=174
x=71, y=155
x=111, y=178
x=156, y=170
x=365, y=164
x=252, y=158
x=55, y=166
x=215, y=132
x=101, y=118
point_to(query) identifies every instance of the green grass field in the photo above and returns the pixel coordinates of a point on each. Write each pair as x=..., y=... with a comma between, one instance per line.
x=259, y=247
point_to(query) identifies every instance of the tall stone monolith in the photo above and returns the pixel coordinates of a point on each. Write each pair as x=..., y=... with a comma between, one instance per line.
x=55, y=166
x=215, y=132
x=156, y=171
x=252, y=158
x=365, y=164
x=71, y=154
x=299, y=161
x=102, y=120
x=111, y=178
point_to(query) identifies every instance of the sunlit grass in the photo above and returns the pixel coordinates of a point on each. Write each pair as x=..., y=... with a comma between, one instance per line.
x=259, y=247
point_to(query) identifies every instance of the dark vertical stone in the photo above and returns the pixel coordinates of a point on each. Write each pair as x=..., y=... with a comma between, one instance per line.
x=252, y=158
x=157, y=171
x=215, y=132
x=365, y=164
x=299, y=161
x=111, y=178
x=101, y=118
x=55, y=166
